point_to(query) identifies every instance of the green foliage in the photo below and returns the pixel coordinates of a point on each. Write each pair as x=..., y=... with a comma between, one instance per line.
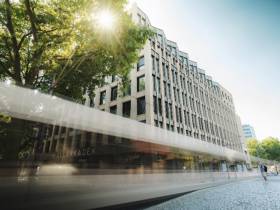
x=268, y=148
x=252, y=145
x=57, y=45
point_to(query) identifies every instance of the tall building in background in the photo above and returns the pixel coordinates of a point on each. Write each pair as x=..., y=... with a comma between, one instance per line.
x=170, y=91
x=248, y=131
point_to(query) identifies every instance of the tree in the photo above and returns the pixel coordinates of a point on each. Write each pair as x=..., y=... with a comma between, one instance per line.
x=268, y=148
x=271, y=147
x=252, y=145
x=58, y=46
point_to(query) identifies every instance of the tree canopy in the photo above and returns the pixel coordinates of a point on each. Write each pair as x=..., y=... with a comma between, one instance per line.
x=268, y=148
x=58, y=45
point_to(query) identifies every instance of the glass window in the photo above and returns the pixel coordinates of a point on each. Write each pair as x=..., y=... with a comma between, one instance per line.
x=53, y=147
x=91, y=102
x=174, y=91
x=127, y=89
x=177, y=115
x=169, y=91
x=140, y=63
x=153, y=62
x=56, y=129
x=141, y=105
x=102, y=97
x=156, y=123
x=164, y=70
x=167, y=73
x=155, y=105
x=114, y=93
x=178, y=96
x=158, y=85
x=170, y=111
x=166, y=110
x=157, y=65
x=113, y=109
x=159, y=107
x=113, y=78
x=126, y=109
x=154, y=83
x=180, y=115
x=141, y=83
x=165, y=89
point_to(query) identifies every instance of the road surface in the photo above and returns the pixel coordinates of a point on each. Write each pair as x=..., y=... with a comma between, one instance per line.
x=243, y=195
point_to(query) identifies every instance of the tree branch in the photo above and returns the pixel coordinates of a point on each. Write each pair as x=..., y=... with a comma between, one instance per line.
x=10, y=26
x=32, y=19
x=23, y=38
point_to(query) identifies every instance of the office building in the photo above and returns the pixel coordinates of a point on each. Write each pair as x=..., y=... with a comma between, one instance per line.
x=169, y=90
x=248, y=131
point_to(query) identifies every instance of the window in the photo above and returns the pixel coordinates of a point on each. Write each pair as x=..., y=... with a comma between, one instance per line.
x=159, y=107
x=181, y=81
x=167, y=73
x=140, y=63
x=88, y=139
x=113, y=109
x=157, y=66
x=177, y=114
x=155, y=105
x=141, y=83
x=156, y=123
x=164, y=70
x=166, y=110
x=170, y=111
x=153, y=62
x=47, y=147
x=141, y=105
x=169, y=91
x=113, y=78
x=63, y=130
x=178, y=96
x=91, y=102
x=158, y=85
x=168, y=126
x=56, y=129
x=78, y=141
x=102, y=97
x=126, y=109
x=180, y=115
x=53, y=147
x=154, y=83
x=114, y=93
x=165, y=89
x=69, y=142
x=183, y=98
x=174, y=91
x=176, y=78
x=127, y=89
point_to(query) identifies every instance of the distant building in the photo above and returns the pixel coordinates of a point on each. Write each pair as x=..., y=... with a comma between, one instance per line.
x=248, y=131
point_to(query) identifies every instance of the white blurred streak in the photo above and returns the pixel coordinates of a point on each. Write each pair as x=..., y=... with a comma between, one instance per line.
x=44, y=108
x=56, y=169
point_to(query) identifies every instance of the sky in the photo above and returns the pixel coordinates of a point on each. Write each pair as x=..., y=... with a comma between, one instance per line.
x=237, y=42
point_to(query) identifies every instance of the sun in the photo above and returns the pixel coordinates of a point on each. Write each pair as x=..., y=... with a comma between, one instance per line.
x=106, y=19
